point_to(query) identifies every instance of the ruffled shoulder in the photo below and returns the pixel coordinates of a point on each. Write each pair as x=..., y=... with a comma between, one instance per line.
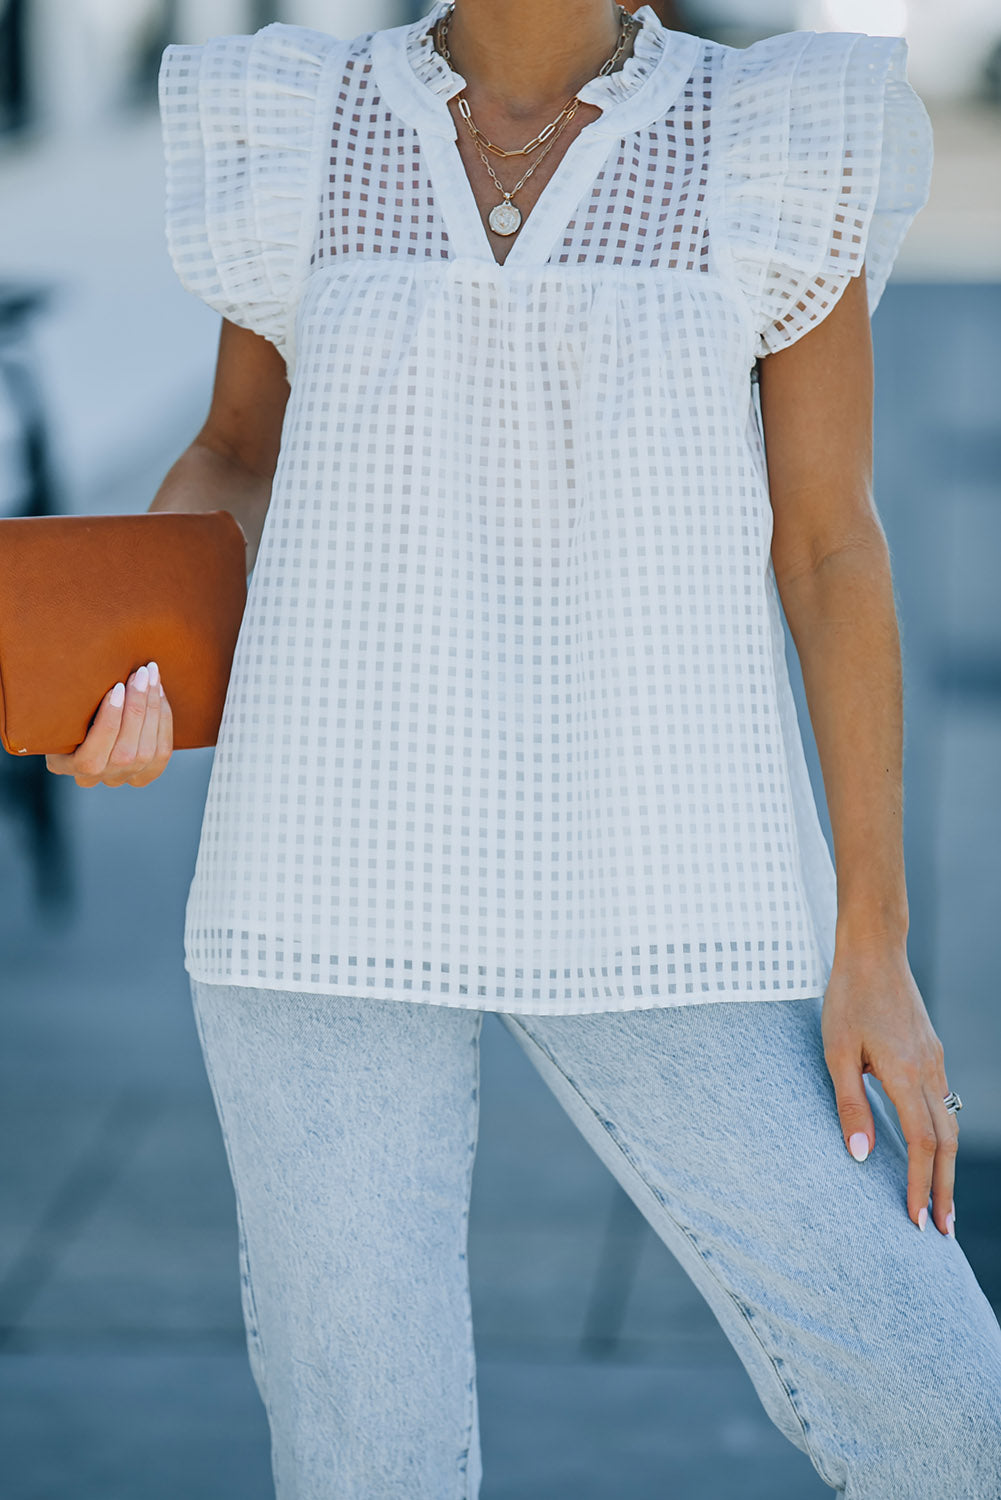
x=243, y=124
x=826, y=160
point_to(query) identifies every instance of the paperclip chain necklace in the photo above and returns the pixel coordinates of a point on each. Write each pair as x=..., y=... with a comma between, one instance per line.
x=505, y=217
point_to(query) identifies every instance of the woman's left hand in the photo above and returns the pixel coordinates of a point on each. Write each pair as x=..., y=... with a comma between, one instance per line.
x=874, y=1021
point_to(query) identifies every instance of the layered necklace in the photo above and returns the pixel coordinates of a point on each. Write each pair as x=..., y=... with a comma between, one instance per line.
x=505, y=216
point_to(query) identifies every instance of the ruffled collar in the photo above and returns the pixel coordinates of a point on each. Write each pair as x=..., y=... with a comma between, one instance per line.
x=605, y=90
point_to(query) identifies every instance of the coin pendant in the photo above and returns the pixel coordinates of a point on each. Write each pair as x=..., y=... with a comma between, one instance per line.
x=505, y=218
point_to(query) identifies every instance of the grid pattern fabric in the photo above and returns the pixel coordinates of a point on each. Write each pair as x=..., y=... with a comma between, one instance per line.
x=647, y=208
x=239, y=119
x=828, y=160
x=509, y=724
x=378, y=198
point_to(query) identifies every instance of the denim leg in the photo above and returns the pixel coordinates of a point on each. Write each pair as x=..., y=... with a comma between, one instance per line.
x=871, y=1344
x=350, y=1127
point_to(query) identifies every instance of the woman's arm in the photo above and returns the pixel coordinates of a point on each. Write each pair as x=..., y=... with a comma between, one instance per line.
x=832, y=567
x=230, y=465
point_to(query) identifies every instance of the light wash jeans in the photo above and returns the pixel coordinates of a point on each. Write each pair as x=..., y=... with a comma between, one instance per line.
x=351, y=1125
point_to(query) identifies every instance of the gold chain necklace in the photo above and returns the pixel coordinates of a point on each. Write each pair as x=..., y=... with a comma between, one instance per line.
x=505, y=217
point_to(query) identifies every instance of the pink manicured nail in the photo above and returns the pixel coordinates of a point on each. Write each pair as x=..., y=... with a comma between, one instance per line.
x=154, y=674
x=922, y=1219
x=858, y=1145
x=142, y=679
x=117, y=695
x=950, y=1224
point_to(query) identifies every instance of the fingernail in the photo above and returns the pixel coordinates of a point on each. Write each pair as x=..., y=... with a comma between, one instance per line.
x=922, y=1219
x=858, y=1145
x=117, y=695
x=154, y=674
x=142, y=679
x=162, y=693
x=950, y=1224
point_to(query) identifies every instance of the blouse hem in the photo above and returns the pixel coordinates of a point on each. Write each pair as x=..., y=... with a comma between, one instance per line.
x=486, y=1002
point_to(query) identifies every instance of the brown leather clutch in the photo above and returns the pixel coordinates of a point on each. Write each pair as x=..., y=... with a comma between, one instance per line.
x=85, y=600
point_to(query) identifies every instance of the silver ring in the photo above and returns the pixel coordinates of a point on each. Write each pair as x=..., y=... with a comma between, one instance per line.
x=952, y=1103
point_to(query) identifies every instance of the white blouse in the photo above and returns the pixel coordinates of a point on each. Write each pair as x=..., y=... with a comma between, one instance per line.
x=509, y=724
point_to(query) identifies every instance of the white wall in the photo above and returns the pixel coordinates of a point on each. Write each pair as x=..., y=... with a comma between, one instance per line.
x=197, y=20
x=78, y=56
x=344, y=17
x=80, y=51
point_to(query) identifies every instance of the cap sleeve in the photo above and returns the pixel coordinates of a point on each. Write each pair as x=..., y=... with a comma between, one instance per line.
x=241, y=134
x=827, y=161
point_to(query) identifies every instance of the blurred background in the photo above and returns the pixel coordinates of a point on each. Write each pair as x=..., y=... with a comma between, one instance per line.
x=122, y=1367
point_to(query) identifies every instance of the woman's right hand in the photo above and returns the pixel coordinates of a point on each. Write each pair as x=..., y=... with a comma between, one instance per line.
x=130, y=740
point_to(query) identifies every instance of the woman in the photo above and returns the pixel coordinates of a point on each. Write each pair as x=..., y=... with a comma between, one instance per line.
x=509, y=725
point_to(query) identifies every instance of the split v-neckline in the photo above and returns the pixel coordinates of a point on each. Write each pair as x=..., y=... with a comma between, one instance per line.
x=417, y=83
